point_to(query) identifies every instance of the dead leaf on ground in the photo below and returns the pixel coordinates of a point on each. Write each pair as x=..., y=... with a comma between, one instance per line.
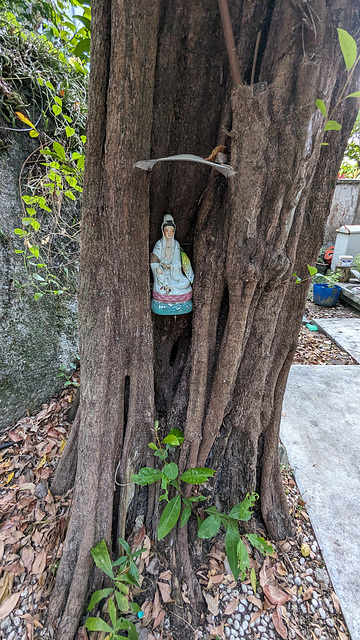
x=39, y=562
x=165, y=575
x=336, y=601
x=9, y=605
x=218, y=632
x=184, y=591
x=275, y=595
x=308, y=593
x=255, y=616
x=147, y=611
x=158, y=613
x=278, y=623
x=231, y=606
x=6, y=584
x=212, y=603
x=265, y=572
x=27, y=556
x=256, y=601
x=165, y=591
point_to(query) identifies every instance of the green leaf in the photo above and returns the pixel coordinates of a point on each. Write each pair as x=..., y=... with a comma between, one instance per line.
x=185, y=516
x=35, y=224
x=56, y=109
x=152, y=445
x=40, y=81
x=348, y=48
x=332, y=125
x=50, y=86
x=36, y=276
x=122, y=602
x=171, y=470
x=312, y=270
x=101, y=558
x=253, y=579
x=120, y=561
x=69, y=194
x=321, y=106
x=260, y=543
x=112, y=612
x=231, y=541
x=169, y=517
x=172, y=440
x=83, y=139
x=134, y=607
x=19, y=232
x=97, y=624
x=198, y=475
x=298, y=279
x=34, y=250
x=69, y=131
x=241, y=511
x=82, y=47
x=199, y=498
x=59, y=150
x=97, y=596
x=146, y=475
x=33, y=133
x=243, y=558
x=178, y=433
x=125, y=545
x=58, y=100
x=19, y=251
x=38, y=295
x=354, y=95
x=209, y=527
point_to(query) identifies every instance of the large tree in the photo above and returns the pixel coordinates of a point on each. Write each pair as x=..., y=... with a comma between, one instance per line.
x=160, y=85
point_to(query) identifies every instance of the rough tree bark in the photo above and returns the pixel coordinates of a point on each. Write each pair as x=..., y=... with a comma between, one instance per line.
x=160, y=85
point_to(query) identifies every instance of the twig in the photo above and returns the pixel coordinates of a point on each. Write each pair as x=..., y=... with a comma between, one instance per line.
x=184, y=620
x=255, y=57
x=229, y=41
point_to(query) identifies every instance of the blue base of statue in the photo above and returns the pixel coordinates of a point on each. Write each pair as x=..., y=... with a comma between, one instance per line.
x=171, y=308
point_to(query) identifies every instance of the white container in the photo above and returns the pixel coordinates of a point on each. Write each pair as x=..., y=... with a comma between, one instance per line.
x=347, y=242
x=345, y=261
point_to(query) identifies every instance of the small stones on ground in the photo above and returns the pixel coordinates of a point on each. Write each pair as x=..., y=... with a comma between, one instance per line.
x=321, y=576
x=298, y=581
x=322, y=613
x=330, y=623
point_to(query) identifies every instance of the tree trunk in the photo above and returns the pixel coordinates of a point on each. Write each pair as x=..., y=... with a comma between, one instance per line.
x=160, y=85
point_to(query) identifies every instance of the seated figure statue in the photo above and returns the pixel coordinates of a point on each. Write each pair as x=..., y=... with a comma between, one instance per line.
x=173, y=275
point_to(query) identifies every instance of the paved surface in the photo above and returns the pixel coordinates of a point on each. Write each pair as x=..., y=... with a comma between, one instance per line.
x=320, y=429
x=345, y=332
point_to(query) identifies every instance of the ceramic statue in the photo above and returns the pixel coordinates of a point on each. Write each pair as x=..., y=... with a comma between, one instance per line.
x=173, y=275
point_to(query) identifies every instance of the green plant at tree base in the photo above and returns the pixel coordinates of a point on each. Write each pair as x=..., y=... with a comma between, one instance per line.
x=65, y=373
x=123, y=580
x=235, y=547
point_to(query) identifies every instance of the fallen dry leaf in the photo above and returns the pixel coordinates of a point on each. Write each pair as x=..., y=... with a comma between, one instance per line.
x=147, y=611
x=275, y=595
x=308, y=593
x=82, y=634
x=212, y=603
x=184, y=590
x=264, y=572
x=336, y=601
x=139, y=537
x=27, y=556
x=9, y=605
x=40, y=562
x=231, y=606
x=256, y=601
x=278, y=623
x=255, y=616
x=165, y=575
x=165, y=590
x=158, y=613
x=218, y=632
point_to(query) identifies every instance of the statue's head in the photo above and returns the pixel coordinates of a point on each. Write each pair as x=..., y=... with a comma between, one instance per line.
x=168, y=226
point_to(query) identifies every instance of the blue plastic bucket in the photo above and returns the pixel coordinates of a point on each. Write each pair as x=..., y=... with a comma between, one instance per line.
x=326, y=296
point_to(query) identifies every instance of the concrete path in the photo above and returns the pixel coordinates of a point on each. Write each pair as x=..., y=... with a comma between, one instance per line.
x=320, y=429
x=345, y=332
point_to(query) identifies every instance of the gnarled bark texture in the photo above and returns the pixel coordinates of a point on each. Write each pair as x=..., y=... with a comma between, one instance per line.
x=160, y=85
